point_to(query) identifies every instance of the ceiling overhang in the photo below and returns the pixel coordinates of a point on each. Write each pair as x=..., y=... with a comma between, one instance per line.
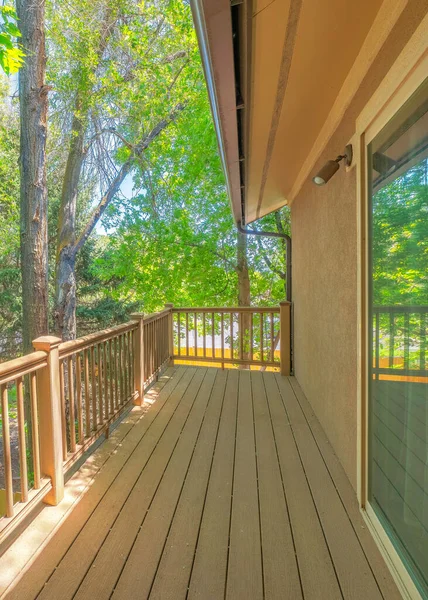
x=280, y=75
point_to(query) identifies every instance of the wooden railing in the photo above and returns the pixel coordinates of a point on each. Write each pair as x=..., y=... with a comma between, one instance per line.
x=241, y=336
x=57, y=401
x=96, y=383
x=21, y=406
x=64, y=397
x=400, y=341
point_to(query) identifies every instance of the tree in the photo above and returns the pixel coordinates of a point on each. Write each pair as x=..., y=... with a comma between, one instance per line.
x=121, y=90
x=177, y=235
x=33, y=100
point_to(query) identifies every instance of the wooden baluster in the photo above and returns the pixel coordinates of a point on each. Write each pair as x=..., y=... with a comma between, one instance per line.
x=222, y=338
x=125, y=367
x=121, y=378
x=23, y=472
x=7, y=457
x=146, y=354
x=251, y=337
x=94, y=391
x=100, y=383
x=131, y=335
x=406, y=340
x=195, y=326
x=187, y=335
x=156, y=336
x=63, y=413
x=79, y=398
x=130, y=366
x=231, y=335
x=241, y=335
x=272, y=339
x=150, y=349
x=377, y=344
x=178, y=334
x=261, y=337
x=71, y=403
x=213, y=334
x=106, y=385
x=87, y=394
x=422, y=346
x=391, y=340
x=116, y=373
x=204, y=333
x=129, y=360
x=111, y=375
x=157, y=343
x=35, y=430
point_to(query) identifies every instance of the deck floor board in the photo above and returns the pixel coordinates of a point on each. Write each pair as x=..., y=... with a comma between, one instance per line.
x=226, y=488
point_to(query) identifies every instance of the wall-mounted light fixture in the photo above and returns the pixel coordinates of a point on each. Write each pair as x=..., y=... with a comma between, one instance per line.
x=332, y=166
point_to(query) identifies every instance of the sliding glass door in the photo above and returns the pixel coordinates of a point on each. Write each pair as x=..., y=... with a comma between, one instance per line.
x=398, y=332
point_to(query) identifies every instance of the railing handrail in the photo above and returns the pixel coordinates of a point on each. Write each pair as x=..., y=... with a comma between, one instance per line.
x=156, y=315
x=227, y=309
x=72, y=346
x=18, y=367
x=401, y=308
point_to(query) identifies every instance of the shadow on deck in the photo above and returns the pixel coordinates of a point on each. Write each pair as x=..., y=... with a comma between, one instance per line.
x=225, y=488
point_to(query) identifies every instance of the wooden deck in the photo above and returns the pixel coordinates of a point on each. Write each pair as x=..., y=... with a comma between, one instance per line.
x=225, y=488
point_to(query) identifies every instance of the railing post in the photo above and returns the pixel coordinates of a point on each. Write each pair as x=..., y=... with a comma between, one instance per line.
x=285, y=337
x=170, y=334
x=139, y=358
x=50, y=428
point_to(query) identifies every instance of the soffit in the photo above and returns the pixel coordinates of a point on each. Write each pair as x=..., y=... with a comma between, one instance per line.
x=301, y=54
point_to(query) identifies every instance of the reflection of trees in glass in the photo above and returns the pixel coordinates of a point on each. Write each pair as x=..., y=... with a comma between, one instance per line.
x=400, y=269
x=400, y=239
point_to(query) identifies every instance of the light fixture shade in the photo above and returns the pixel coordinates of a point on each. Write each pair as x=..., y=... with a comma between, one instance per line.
x=326, y=173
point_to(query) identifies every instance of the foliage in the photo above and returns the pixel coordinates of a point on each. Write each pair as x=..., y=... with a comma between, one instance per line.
x=10, y=294
x=168, y=235
x=400, y=239
x=11, y=55
x=176, y=235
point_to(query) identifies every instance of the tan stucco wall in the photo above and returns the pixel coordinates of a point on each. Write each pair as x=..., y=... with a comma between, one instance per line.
x=324, y=232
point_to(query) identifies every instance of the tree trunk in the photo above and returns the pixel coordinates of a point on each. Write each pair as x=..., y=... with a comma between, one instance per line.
x=244, y=297
x=33, y=102
x=244, y=294
x=65, y=280
x=33, y=221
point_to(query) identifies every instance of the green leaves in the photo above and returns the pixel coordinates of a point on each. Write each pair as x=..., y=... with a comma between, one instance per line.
x=400, y=239
x=11, y=55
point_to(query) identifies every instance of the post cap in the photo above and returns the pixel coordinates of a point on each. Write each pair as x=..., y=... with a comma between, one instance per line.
x=46, y=342
x=285, y=303
x=137, y=316
x=169, y=305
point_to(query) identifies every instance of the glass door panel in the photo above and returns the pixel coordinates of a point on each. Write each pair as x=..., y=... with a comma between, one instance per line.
x=398, y=332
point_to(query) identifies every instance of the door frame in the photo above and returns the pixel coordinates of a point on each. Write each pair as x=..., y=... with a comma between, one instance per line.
x=408, y=72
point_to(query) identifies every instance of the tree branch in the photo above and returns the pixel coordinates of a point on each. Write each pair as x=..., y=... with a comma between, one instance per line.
x=175, y=56
x=117, y=181
x=269, y=263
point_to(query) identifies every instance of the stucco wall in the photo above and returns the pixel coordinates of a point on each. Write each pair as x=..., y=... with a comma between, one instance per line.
x=324, y=232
